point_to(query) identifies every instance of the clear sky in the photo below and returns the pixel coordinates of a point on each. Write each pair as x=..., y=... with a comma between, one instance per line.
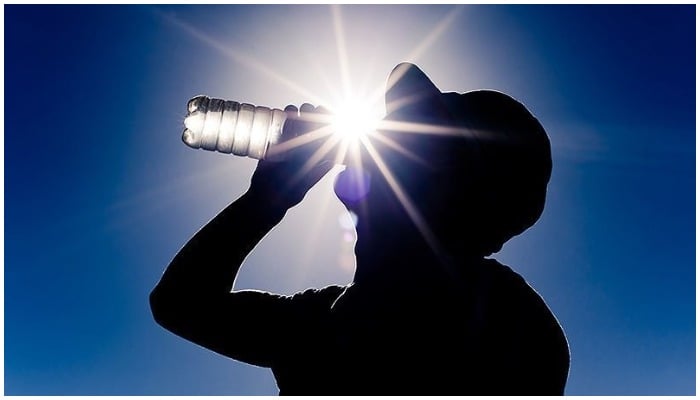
x=100, y=192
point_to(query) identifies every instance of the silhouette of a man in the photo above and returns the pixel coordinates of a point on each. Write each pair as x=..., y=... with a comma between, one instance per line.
x=427, y=313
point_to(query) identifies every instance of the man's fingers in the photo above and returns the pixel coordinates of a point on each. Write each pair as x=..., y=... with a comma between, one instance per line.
x=307, y=119
x=306, y=108
x=291, y=126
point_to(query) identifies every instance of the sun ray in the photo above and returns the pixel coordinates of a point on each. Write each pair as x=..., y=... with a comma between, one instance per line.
x=318, y=156
x=317, y=68
x=445, y=261
x=238, y=56
x=437, y=31
x=418, y=51
x=340, y=45
x=312, y=239
x=399, y=103
x=403, y=198
x=341, y=154
x=301, y=140
x=433, y=129
x=398, y=147
x=164, y=189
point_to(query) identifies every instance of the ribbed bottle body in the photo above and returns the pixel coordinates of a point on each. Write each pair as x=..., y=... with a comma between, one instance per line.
x=231, y=127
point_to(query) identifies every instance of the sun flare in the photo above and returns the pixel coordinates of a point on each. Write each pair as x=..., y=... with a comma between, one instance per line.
x=354, y=118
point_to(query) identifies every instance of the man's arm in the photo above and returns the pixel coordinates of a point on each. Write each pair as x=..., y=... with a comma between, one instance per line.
x=193, y=298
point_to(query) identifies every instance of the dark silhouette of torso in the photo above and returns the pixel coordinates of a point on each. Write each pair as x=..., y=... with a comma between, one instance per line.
x=496, y=337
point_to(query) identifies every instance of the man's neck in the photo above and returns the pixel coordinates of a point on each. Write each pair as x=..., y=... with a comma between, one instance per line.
x=403, y=259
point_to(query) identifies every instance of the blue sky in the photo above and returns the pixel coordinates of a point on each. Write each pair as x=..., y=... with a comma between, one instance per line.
x=100, y=192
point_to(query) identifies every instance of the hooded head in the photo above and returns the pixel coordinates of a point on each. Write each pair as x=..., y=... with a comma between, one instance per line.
x=470, y=167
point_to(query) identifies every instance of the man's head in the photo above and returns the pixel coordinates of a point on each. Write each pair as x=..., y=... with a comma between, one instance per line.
x=475, y=166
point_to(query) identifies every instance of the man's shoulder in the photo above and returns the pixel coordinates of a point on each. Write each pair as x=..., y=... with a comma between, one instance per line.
x=319, y=297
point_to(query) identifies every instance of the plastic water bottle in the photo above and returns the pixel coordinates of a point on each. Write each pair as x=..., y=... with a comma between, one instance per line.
x=231, y=127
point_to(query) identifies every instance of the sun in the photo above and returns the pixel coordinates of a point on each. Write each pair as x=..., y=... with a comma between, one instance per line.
x=354, y=118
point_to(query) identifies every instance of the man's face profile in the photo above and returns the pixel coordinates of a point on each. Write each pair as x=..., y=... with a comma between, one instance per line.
x=478, y=162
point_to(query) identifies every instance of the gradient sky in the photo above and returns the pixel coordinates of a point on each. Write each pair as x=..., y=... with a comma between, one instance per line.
x=100, y=192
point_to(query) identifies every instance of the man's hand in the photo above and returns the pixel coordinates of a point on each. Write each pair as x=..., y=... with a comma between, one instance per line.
x=302, y=149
